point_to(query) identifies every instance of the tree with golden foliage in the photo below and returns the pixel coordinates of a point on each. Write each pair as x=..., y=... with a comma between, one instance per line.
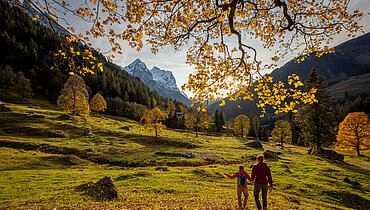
x=354, y=132
x=241, y=125
x=98, y=103
x=217, y=35
x=153, y=120
x=282, y=132
x=171, y=107
x=196, y=119
x=7, y=78
x=23, y=86
x=74, y=97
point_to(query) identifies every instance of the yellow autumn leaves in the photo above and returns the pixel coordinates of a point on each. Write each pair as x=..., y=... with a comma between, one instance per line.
x=79, y=61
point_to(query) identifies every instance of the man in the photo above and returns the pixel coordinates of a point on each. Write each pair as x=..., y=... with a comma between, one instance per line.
x=242, y=177
x=260, y=173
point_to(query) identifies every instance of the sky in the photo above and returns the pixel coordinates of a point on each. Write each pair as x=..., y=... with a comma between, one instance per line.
x=175, y=61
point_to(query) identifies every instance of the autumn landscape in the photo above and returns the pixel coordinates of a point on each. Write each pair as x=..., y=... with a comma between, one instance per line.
x=81, y=129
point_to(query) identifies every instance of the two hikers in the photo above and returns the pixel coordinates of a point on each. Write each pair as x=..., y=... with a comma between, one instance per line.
x=261, y=176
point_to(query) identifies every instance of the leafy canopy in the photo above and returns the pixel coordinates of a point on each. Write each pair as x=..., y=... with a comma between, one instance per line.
x=153, y=120
x=354, y=132
x=241, y=125
x=74, y=97
x=217, y=35
x=282, y=132
x=98, y=103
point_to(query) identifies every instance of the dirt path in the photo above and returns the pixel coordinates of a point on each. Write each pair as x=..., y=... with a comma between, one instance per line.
x=359, y=165
x=270, y=148
x=278, y=150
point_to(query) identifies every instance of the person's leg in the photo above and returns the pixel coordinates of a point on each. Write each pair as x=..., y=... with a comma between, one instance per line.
x=264, y=195
x=239, y=192
x=256, y=192
x=245, y=192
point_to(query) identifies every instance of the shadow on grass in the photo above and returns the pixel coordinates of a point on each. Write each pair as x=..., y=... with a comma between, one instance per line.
x=348, y=199
x=349, y=167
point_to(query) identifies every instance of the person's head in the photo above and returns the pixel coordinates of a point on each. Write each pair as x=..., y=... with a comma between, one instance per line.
x=241, y=167
x=260, y=158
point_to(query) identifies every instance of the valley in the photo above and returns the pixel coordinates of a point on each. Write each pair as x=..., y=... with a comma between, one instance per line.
x=42, y=177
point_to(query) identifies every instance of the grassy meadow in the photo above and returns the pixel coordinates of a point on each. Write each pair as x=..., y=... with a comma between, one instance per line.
x=39, y=170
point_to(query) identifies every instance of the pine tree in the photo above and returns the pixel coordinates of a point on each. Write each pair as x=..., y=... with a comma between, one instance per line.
x=217, y=120
x=23, y=86
x=316, y=120
x=74, y=96
x=264, y=134
x=222, y=118
x=98, y=103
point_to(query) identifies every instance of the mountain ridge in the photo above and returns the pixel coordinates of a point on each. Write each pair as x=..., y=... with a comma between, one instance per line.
x=162, y=81
x=350, y=59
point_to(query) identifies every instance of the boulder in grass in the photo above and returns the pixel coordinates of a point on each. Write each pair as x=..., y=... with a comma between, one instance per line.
x=88, y=132
x=58, y=134
x=162, y=169
x=30, y=106
x=254, y=144
x=127, y=128
x=189, y=155
x=103, y=190
x=331, y=155
x=270, y=154
x=351, y=182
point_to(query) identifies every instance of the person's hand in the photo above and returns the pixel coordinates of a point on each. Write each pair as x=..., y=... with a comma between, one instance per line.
x=270, y=189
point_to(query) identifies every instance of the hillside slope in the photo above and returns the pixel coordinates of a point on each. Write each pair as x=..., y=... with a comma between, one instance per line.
x=155, y=174
x=350, y=64
x=350, y=58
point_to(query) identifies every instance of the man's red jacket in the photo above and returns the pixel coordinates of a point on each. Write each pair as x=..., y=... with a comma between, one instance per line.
x=260, y=173
x=236, y=175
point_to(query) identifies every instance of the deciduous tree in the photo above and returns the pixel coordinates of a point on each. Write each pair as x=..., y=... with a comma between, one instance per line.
x=195, y=119
x=282, y=132
x=23, y=86
x=217, y=34
x=7, y=78
x=171, y=107
x=241, y=125
x=354, y=132
x=74, y=97
x=98, y=103
x=153, y=120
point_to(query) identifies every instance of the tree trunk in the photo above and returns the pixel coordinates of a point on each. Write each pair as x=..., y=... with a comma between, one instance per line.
x=156, y=134
x=358, y=150
x=196, y=131
x=241, y=126
x=282, y=142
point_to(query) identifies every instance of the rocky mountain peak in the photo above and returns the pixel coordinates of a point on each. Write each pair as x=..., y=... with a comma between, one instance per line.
x=163, y=82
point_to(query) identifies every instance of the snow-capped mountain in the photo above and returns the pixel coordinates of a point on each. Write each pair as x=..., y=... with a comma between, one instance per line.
x=139, y=69
x=165, y=78
x=163, y=82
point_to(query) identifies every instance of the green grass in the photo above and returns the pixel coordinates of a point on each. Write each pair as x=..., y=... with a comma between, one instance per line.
x=35, y=179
